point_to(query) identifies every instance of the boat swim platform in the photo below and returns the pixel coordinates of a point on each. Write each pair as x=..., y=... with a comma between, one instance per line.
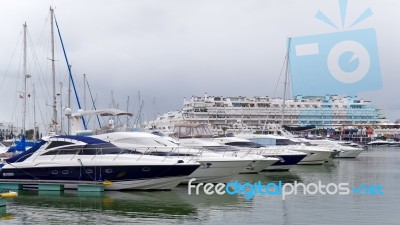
x=53, y=185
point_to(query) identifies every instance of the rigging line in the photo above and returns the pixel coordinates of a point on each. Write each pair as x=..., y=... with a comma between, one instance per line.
x=39, y=70
x=137, y=119
x=70, y=72
x=42, y=31
x=35, y=56
x=94, y=105
x=43, y=120
x=16, y=88
x=276, y=87
x=40, y=78
x=37, y=66
x=280, y=75
x=9, y=64
x=41, y=36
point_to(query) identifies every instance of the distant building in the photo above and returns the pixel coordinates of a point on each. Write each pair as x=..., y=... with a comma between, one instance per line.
x=8, y=130
x=265, y=113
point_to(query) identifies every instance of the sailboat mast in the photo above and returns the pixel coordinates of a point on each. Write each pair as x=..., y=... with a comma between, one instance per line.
x=34, y=113
x=61, y=109
x=53, y=70
x=24, y=63
x=25, y=75
x=285, y=84
x=69, y=105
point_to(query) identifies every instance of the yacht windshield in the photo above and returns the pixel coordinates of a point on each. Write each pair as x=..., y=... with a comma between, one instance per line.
x=54, y=144
x=98, y=149
x=273, y=141
x=244, y=144
x=147, y=141
x=285, y=142
x=222, y=148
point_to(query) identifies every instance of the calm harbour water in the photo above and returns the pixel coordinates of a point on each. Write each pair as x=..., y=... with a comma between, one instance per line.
x=377, y=166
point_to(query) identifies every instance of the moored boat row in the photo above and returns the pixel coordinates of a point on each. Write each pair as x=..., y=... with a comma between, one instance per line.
x=139, y=160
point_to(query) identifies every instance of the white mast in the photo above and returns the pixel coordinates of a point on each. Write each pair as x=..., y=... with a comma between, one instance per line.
x=69, y=104
x=61, y=110
x=285, y=85
x=26, y=76
x=53, y=70
x=34, y=113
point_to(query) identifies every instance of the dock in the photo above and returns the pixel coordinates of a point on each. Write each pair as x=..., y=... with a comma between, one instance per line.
x=53, y=185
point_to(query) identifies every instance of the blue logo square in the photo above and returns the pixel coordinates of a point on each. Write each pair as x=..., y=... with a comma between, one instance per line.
x=335, y=63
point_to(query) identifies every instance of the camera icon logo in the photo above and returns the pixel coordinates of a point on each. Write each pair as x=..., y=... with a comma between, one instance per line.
x=344, y=62
x=348, y=61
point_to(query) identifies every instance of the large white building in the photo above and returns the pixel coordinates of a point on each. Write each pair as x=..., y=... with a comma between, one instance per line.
x=261, y=113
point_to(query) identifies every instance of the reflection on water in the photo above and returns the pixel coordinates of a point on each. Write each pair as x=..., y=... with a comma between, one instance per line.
x=371, y=167
x=130, y=204
x=284, y=176
x=135, y=206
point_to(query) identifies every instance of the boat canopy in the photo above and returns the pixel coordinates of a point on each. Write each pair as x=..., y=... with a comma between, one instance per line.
x=24, y=155
x=84, y=139
x=102, y=112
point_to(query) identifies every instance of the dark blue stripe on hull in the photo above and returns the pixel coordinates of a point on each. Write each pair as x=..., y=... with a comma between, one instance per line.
x=90, y=173
x=285, y=160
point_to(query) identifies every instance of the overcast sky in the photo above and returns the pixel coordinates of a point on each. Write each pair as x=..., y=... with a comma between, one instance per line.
x=173, y=49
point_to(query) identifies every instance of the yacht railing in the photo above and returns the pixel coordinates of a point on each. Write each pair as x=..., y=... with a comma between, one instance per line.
x=141, y=151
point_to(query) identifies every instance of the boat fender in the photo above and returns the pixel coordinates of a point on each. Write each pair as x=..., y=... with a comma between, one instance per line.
x=106, y=182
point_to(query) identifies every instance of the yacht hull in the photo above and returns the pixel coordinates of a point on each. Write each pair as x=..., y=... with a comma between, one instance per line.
x=259, y=165
x=315, y=157
x=285, y=163
x=214, y=171
x=349, y=153
x=120, y=177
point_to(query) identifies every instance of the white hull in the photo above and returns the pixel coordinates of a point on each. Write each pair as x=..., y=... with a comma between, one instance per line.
x=343, y=151
x=349, y=153
x=148, y=184
x=218, y=171
x=260, y=165
x=315, y=158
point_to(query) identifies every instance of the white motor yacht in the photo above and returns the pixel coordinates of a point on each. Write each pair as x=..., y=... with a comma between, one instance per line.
x=345, y=151
x=74, y=160
x=199, y=136
x=214, y=167
x=287, y=158
x=315, y=155
x=258, y=161
x=383, y=143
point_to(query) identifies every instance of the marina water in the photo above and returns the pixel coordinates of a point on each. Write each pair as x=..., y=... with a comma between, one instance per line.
x=377, y=166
